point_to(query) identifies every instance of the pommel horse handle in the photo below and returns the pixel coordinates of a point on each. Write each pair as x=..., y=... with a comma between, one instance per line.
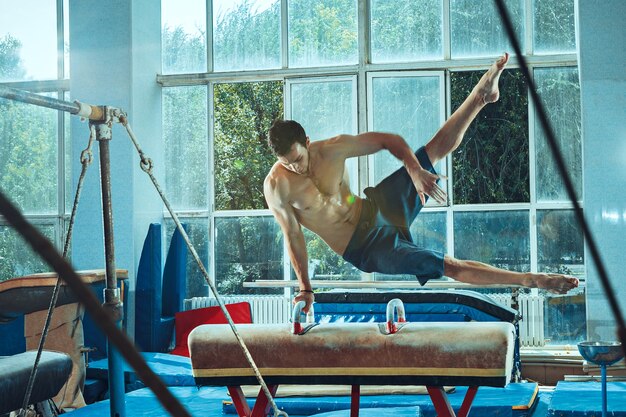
x=394, y=306
x=296, y=317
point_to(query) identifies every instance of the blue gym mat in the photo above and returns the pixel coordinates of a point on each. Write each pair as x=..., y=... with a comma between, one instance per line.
x=174, y=370
x=513, y=401
x=516, y=400
x=584, y=399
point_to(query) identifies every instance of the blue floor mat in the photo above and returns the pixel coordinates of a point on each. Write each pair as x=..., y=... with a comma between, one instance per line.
x=584, y=399
x=513, y=401
x=174, y=370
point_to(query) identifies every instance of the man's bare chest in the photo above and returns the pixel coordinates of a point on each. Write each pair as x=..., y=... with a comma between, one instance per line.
x=318, y=190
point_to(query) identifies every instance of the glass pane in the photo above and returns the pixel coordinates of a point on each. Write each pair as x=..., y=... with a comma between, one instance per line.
x=429, y=232
x=491, y=165
x=324, y=264
x=406, y=30
x=477, y=30
x=246, y=34
x=565, y=322
x=247, y=249
x=244, y=113
x=198, y=232
x=16, y=257
x=560, y=245
x=326, y=109
x=498, y=238
x=408, y=106
x=554, y=26
x=560, y=93
x=28, y=40
x=322, y=33
x=186, y=146
x=183, y=36
x=28, y=156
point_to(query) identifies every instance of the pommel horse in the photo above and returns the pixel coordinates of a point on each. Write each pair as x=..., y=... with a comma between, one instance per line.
x=397, y=352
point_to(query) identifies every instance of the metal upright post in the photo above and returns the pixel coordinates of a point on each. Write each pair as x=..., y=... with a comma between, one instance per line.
x=112, y=303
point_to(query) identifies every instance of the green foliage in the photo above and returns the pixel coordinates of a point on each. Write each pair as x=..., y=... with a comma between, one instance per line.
x=11, y=67
x=28, y=165
x=406, y=30
x=182, y=51
x=246, y=39
x=323, y=32
x=492, y=165
x=16, y=258
x=243, y=114
x=247, y=249
x=186, y=144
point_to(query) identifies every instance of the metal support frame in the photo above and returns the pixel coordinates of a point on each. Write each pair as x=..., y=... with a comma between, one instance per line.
x=110, y=315
x=261, y=407
x=437, y=395
x=112, y=303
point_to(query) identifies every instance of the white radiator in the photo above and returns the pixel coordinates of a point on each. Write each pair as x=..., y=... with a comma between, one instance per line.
x=531, y=325
x=531, y=308
x=266, y=309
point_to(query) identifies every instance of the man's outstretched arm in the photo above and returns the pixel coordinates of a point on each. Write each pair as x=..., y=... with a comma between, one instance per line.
x=371, y=142
x=292, y=232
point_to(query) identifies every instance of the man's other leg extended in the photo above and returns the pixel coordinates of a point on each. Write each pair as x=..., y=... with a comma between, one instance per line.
x=450, y=135
x=478, y=273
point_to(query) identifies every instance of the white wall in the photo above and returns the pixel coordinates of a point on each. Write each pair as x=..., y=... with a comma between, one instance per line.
x=115, y=57
x=602, y=55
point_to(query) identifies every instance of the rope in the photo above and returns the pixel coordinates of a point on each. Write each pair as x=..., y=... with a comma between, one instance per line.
x=147, y=165
x=85, y=159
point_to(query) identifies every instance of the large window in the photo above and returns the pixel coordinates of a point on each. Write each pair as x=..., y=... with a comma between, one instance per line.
x=351, y=66
x=34, y=142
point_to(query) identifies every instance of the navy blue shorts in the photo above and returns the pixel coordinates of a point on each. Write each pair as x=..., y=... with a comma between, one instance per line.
x=382, y=241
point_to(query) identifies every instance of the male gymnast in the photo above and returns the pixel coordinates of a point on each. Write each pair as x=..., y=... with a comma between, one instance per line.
x=308, y=186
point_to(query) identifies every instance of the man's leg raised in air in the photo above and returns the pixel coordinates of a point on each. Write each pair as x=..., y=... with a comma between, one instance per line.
x=478, y=273
x=450, y=135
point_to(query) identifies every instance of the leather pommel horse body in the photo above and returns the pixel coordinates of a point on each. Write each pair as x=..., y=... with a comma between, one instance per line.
x=432, y=354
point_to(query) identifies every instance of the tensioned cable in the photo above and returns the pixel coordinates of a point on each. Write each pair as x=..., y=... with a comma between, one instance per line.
x=146, y=165
x=86, y=158
x=560, y=162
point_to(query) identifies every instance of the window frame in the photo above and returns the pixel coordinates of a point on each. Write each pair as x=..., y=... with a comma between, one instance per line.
x=363, y=72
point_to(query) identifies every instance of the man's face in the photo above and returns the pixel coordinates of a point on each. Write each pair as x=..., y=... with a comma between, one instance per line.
x=297, y=159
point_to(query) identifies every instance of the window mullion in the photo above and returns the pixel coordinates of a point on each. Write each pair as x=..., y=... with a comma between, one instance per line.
x=209, y=36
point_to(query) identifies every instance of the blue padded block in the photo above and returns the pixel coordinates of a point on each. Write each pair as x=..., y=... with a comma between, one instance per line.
x=414, y=312
x=12, y=337
x=584, y=399
x=174, y=273
x=148, y=293
x=174, y=370
x=159, y=296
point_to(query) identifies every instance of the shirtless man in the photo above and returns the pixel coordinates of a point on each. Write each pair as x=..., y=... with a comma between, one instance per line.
x=308, y=186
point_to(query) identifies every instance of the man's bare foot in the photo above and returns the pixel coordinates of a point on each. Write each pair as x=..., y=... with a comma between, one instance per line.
x=555, y=283
x=487, y=87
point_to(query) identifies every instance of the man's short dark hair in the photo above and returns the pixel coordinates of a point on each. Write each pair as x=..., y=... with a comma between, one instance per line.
x=283, y=134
